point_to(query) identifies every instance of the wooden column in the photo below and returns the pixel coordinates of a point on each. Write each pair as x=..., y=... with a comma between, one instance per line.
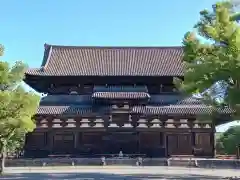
x=164, y=134
x=213, y=143
x=212, y=138
x=193, y=142
x=139, y=142
x=76, y=134
x=50, y=136
x=165, y=143
x=106, y=119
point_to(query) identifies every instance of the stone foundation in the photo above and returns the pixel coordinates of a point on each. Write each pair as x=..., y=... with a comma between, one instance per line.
x=187, y=162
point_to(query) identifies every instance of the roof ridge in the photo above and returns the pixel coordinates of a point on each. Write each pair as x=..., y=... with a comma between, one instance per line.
x=111, y=47
x=48, y=58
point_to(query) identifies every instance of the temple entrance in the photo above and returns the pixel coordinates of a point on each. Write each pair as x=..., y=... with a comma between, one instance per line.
x=179, y=144
x=63, y=143
x=127, y=142
x=152, y=144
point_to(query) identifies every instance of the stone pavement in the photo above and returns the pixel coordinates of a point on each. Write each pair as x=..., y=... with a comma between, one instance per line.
x=117, y=173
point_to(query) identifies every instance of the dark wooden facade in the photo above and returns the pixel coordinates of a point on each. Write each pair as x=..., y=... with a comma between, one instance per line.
x=114, y=103
x=149, y=136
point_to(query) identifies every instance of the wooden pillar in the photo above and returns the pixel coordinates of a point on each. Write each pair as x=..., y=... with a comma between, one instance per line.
x=165, y=142
x=106, y=119
x=163, y=139
x=213, y=143
x=50, y=136
x=193, y=142
x=76, y=134
x=139, y=143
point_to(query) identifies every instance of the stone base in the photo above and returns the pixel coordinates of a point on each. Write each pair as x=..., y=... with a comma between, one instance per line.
x=219, y=163
x=205, y=163
x=187, y=162
x=85, y=162
x=137, y=162
x=53, y=162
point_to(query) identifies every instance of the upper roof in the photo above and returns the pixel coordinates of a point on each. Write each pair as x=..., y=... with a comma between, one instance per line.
x=110, y=61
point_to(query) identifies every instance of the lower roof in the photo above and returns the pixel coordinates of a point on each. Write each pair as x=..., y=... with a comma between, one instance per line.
x=64, y=110
x=180, y=110
x=147, y=110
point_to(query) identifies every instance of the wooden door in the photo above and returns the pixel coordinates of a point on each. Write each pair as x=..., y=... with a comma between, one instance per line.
x=92, y=142
x=172, y=144
x=63, y=143
x=179, y=144
x=185, y=144
x=203, y=144
x=127, y=142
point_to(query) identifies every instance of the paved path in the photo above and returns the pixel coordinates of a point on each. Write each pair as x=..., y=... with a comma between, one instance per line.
x=117, y=173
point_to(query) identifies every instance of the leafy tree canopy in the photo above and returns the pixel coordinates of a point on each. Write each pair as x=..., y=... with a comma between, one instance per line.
x=16, y=107
x=212, y=56
x=228, y=141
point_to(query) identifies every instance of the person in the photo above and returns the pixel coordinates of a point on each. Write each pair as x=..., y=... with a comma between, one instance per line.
x=120, y=154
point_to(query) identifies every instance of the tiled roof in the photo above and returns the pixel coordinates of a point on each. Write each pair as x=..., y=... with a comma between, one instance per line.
x=191, y=100
x=180, y=109
x=177, y=99
x=120, y=95
x=164, y=99
x=59, y=100
x=161, y=110
x=110, y=61
x=68, y=110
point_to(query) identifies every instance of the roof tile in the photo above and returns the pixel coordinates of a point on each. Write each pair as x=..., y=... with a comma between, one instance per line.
x=161, y=110
x=68, y=110
x=111, y=61
x=180, y=110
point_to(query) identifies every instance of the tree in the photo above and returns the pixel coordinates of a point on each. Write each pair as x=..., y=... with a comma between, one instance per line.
x=212, y=57
x=228, y=141
x=17, y=108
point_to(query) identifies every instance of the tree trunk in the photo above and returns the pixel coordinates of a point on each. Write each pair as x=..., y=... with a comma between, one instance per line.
x=2, y=164
x=2, y=154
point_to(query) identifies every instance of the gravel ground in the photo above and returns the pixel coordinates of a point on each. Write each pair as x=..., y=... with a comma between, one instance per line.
x=117, y=173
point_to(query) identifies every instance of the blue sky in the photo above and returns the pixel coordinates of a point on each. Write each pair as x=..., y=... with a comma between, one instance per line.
x=27, y=25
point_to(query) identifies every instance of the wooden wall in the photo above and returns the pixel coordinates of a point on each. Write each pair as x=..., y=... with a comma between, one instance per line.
x=152, y=144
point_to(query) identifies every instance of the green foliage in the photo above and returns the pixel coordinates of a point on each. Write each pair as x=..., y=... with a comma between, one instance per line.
x=228, y=141
x=236, y=17
x=212, y=54
x=16, y=107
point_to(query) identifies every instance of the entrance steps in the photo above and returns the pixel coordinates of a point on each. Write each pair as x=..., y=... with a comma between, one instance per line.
x=186, y=161
x=136, y=161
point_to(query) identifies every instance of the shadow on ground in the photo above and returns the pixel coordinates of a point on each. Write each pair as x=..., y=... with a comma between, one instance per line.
x=103, y=176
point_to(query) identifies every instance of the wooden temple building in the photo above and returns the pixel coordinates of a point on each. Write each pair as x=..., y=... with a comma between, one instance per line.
x=103, y=100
